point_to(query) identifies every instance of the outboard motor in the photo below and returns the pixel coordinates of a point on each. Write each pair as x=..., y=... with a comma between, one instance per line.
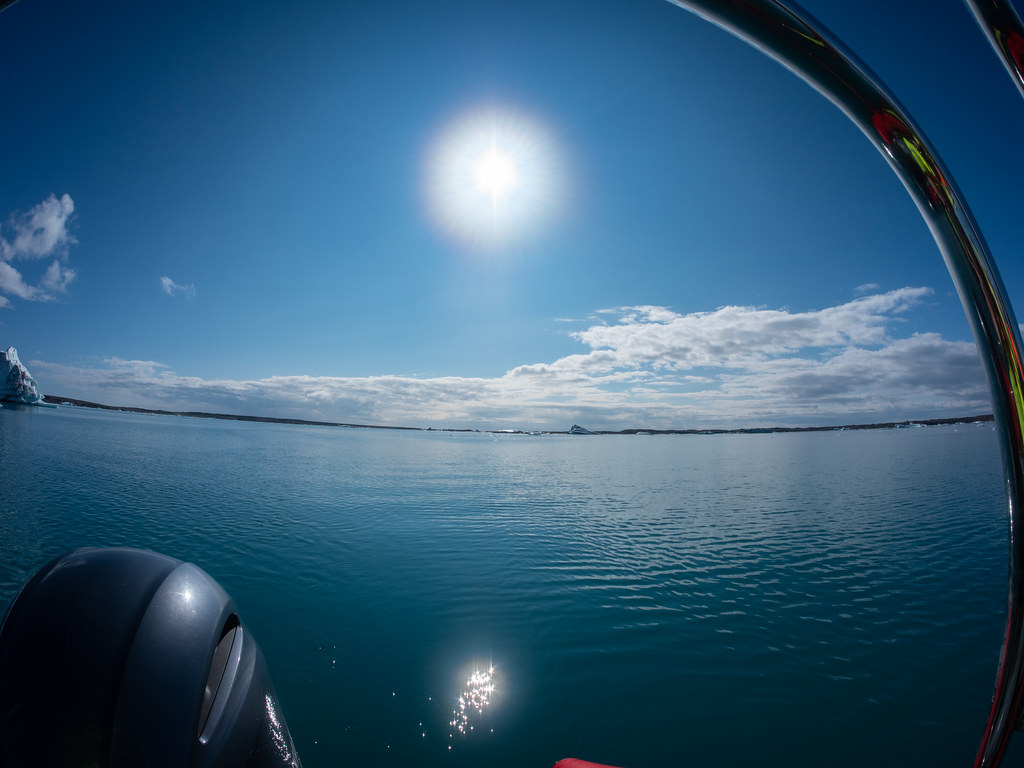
x=123, y=657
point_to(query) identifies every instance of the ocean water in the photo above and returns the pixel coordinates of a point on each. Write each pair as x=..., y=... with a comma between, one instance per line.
x=775, y=600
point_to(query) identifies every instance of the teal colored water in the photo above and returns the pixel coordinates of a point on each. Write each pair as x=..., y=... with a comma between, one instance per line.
x=775, y=600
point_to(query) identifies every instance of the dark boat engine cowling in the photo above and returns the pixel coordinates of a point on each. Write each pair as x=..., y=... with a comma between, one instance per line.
x=124, y=657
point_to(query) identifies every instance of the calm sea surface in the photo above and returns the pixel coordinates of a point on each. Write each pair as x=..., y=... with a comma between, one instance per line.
x=774, y=600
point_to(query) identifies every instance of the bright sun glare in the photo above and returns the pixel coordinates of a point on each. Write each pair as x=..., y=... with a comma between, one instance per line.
x=495, y=173
x=492, y=178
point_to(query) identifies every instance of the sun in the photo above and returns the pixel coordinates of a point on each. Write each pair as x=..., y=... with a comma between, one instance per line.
x=492, y=178
x=495, y=173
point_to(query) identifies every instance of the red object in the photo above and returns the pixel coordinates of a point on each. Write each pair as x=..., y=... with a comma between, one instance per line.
x=572, y=762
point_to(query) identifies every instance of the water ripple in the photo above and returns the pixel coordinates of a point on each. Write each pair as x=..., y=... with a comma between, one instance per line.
x=802, y=585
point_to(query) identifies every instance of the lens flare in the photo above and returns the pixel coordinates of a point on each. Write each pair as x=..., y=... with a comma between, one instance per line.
x=492, y=178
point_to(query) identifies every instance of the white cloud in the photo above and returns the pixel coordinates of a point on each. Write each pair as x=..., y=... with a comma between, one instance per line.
x=57, y=278
x=735, y=366
x=737, y=336
x=41, y=233
x=172, y=288
x=905, y=376
x=11, y=282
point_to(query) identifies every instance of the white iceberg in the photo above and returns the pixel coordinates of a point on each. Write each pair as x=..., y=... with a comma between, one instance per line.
x=16, y=383
x=576, y=429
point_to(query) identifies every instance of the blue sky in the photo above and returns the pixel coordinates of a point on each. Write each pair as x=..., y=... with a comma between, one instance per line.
x=275, y=209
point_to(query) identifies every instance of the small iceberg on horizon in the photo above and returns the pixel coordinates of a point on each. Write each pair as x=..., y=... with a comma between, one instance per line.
x=16, y=383
x=576, y=429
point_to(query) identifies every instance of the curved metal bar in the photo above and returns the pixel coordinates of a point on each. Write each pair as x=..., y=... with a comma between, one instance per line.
x=1002, y=26
x=802, y=45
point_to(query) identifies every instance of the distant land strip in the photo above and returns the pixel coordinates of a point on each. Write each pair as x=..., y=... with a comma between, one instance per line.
x=55, y=400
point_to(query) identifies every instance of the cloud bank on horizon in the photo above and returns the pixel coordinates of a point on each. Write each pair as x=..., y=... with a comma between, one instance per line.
x=37, y=235
x=646, y=366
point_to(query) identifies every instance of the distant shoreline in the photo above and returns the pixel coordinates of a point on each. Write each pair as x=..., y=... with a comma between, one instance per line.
x=56, y=400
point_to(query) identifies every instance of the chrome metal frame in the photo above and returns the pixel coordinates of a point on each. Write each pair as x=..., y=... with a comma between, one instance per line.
x=792, y=37
x=1003, y=28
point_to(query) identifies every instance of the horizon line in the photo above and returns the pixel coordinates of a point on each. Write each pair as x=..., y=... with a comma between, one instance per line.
x=75, y=402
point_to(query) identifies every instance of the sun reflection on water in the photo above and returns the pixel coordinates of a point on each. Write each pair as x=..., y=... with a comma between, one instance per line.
x=474, y=699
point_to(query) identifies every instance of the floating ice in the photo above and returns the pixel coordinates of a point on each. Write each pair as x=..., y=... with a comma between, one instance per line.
x=576, y=429
x=16, y=383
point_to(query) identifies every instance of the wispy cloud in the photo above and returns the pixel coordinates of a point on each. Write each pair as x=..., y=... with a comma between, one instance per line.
x=41, y=233
x=172, y=288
